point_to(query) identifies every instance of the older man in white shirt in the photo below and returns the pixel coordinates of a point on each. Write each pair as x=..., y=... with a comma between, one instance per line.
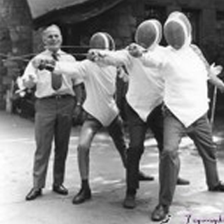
x=54, y=105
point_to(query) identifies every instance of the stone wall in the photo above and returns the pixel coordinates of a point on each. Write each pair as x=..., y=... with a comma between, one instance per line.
x=5, y=47
x=122, y=20
x=15, y=41
x=17, y=37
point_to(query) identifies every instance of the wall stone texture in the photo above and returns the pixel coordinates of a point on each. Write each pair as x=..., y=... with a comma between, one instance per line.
x=19, y=37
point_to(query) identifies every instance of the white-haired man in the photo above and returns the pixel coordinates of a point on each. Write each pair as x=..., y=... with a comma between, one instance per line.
x=54, y=105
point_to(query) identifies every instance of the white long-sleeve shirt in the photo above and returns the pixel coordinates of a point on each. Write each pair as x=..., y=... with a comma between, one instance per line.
x=146, y=85
x=100, y=85
x=186, y=78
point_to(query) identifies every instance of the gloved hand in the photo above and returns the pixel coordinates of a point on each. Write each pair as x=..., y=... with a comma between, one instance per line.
x=93, y=55
x=29, y=82
x=215, y=69
x=135, y=50
x=44, y=63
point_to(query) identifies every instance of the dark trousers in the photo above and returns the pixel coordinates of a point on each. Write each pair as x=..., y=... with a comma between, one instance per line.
x=137, y=130
x=200, y=133
x=88, y=131
x=53, y=121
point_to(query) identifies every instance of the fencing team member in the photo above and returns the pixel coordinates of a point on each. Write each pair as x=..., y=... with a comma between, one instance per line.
x=100, y=105
x=144, y=100
x=185, y=110
x=54, y=107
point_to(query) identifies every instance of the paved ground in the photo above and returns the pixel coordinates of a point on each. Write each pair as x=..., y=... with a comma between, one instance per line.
x=192, y=204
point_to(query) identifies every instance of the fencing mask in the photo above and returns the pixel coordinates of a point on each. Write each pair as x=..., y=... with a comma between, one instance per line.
x=102, y=40
x=148, y=33
x=177, y=30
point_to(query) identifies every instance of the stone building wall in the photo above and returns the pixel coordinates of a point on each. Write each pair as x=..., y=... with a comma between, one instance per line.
x=5, y=47
x=122, y=20
x=18, y=37
x=15, y=41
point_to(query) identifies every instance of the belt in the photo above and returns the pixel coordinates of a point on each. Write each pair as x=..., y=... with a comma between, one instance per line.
x=57, y=96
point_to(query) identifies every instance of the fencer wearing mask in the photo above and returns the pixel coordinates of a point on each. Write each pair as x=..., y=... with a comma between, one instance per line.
x=144, y=100
x=100, y=106
x=186, y=105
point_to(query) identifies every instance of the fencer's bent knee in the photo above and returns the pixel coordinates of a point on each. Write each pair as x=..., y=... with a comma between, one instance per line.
x=82, y=148
x=171, y=154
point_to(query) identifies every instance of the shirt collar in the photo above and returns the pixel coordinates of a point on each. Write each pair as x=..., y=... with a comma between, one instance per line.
x=59, y=52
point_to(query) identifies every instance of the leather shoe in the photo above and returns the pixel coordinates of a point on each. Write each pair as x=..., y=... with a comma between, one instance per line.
x=60, y=189
x=83, y=195
x=218, y=188
x=33, y=194
x=181, y=181
x=160, y=212
x=129, y=201
x=143, y=177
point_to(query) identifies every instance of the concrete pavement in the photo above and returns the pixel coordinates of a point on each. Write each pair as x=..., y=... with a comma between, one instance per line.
x=192, y=204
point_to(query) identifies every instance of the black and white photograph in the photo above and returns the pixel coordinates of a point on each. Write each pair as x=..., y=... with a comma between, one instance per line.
x=111, y=111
